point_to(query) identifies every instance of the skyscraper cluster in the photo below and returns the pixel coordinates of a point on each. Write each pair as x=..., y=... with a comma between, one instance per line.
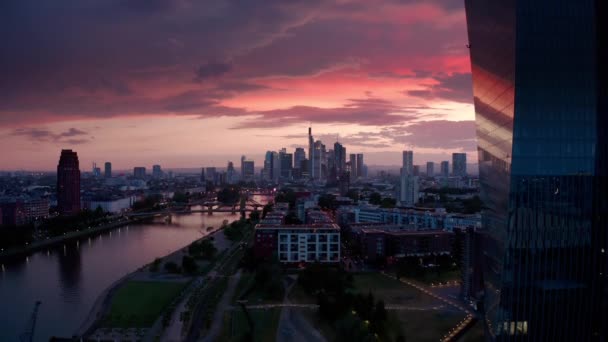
x=322, y=164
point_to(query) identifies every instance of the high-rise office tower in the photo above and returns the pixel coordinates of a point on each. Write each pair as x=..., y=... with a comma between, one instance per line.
x=211, y=175
x=68, y=183
x=286, y=160
x=231, y=175
x=96, y=170
x=157, y=172
x=298, y=156
x=319, y=161
x=247, y=169
x=107, y=170
x=408, y=162
x=304, y=172
x=311, y=153
x=360, y=164
x=459, y=164
x=203, y=179
x=416, y=170
x=430, y=169
x=339, y=158
x=332, y=172
x=268, y=163
x=353, y=167
x=445, y=169
x=409, y=191
x=276, y=167
x=540, y=81
x=139, y=172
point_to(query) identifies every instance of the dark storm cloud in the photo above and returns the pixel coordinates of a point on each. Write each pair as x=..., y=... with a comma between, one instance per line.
x=438, y=134
x=211, y=70
x=456, y=87
x=65, y=59
x=366, y=112
x=451, y=5
x=71, y=136
x=152, y=6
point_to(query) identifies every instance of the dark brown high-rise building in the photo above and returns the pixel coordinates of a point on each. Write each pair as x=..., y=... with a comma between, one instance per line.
x=68, y=183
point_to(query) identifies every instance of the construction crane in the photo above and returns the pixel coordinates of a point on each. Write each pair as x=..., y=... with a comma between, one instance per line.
x=28, y=333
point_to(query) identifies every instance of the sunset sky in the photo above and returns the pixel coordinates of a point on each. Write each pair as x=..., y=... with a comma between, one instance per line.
x=191, y=83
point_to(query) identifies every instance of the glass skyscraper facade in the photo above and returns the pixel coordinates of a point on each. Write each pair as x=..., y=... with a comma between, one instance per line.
x=541, y=102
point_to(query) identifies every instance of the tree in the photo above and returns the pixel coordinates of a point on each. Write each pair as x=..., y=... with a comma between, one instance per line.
x=172, y=267
x=375, y=198
x=267, y=208
x=188, y=264
x=180, y=197
x=155, y=265
x=327, y=201
x=380, y=314
x=204, y=249
x=472, y=205
x=149, y=202
x=353, y=194
x=286, y=195
x=254, y=216
x=388, y=203
x=229, y=195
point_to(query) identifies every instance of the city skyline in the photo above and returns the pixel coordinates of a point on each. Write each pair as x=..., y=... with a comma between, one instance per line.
x=399, y=79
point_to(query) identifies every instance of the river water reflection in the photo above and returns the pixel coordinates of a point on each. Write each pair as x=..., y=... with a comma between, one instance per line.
x=68, y=279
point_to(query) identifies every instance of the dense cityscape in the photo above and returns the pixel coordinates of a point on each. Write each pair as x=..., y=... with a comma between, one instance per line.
x=319, y=210
x=394, y=217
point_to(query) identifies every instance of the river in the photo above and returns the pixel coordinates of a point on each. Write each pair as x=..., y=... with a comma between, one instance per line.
x=67, y=279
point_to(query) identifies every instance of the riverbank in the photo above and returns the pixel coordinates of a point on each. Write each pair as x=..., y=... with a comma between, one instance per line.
x=102, y=305
x=73, y=235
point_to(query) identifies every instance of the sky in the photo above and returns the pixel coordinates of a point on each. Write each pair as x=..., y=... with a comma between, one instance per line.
x=192, y=83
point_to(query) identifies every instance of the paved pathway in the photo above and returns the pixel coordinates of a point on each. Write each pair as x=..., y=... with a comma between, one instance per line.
x=292, y=325
x=224, y=304
x=173, y=333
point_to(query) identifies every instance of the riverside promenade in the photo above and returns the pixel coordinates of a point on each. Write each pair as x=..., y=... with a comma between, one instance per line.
x=73, y=235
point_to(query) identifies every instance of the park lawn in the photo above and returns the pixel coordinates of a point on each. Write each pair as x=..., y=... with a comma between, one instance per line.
x=266, y=322
x=392, y=291
x=433, y=278
x=422, y=325
x=298, y=295
x=474, y=334
x=254, y=294
x=137, y=304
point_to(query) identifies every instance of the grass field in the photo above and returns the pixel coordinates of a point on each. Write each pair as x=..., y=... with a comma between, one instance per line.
x=137, y=304
x=392, y=291
x=299, y=296
x=475, y=333
x=433, y=277
x=266, y=322
x=415, y=325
